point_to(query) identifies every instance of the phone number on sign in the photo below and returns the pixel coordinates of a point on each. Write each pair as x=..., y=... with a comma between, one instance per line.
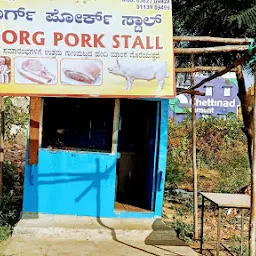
x=153, y=1
x=147, y=1
x=151, y=7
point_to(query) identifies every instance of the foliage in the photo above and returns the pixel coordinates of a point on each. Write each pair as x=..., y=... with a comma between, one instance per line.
x=235, y=174
x=13, y=116
x=245, y=17
x=221, y=146
x=179, y=153
x=183, y=230
x=215, y=18
x=187, y=207
x=11, y=203
x=5, y=232
x=237, y=249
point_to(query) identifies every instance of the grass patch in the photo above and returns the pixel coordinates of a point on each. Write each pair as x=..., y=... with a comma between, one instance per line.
x=237, y=249
x=183, y=230
x=222, y=156
x=5, y=232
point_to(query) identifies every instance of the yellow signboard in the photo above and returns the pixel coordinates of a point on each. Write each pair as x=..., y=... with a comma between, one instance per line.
x=89, y=48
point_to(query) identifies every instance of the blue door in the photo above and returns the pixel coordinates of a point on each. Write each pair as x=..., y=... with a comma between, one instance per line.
x=153, y=147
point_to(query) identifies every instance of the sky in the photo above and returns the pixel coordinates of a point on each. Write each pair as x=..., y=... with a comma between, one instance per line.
x=248, y=80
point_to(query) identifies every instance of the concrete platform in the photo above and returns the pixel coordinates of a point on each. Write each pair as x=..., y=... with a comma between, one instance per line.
x=43, y=247
x=70, y=235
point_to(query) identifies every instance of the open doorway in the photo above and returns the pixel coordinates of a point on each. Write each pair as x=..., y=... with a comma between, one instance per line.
x=138, y=146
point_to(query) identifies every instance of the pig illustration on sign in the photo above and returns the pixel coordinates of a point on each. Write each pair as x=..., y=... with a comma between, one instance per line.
x=141, y=71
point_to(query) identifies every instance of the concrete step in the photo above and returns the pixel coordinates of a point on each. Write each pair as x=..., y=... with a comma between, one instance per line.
x=151, y=231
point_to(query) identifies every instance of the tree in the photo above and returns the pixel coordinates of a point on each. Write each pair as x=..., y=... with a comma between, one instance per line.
x=222, y=19
x=214, y=18
x=12, y=115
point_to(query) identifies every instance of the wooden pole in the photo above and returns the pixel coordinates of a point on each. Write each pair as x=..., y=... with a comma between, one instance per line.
x=34, y=129
x=201, y=69
x=226, y=48
x=212, y=39
x=194, y=154
x=238, y=62
x=252, y=242
x=191, y=92
x=1, y=145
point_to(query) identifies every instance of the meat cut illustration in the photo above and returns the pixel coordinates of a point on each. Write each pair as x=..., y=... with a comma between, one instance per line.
x=142, y=71
x=4, y=71
x=35, y=71
x=82, y=71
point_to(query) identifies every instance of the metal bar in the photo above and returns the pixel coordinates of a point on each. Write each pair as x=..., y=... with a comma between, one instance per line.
x=252, y=230
x=218, y=232
x=156, y=173
x=192, y=63
x=202, y=227
x=228, y=250
x=242, y=231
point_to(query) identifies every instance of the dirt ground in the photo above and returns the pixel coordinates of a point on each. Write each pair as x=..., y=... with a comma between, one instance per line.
x=230, y=227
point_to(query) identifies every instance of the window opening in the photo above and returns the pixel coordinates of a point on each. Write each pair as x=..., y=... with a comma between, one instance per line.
x=78, y=124
x=208, y=91
x=227, y=91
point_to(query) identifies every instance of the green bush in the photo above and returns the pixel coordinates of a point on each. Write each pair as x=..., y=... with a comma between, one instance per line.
x=175, y=174
x=237, y=250
x=186, y=206
x=221, y=146
x=13, y=116
x=5, y=232
x=235, y=174
x=11, y=203
x=184, y=231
